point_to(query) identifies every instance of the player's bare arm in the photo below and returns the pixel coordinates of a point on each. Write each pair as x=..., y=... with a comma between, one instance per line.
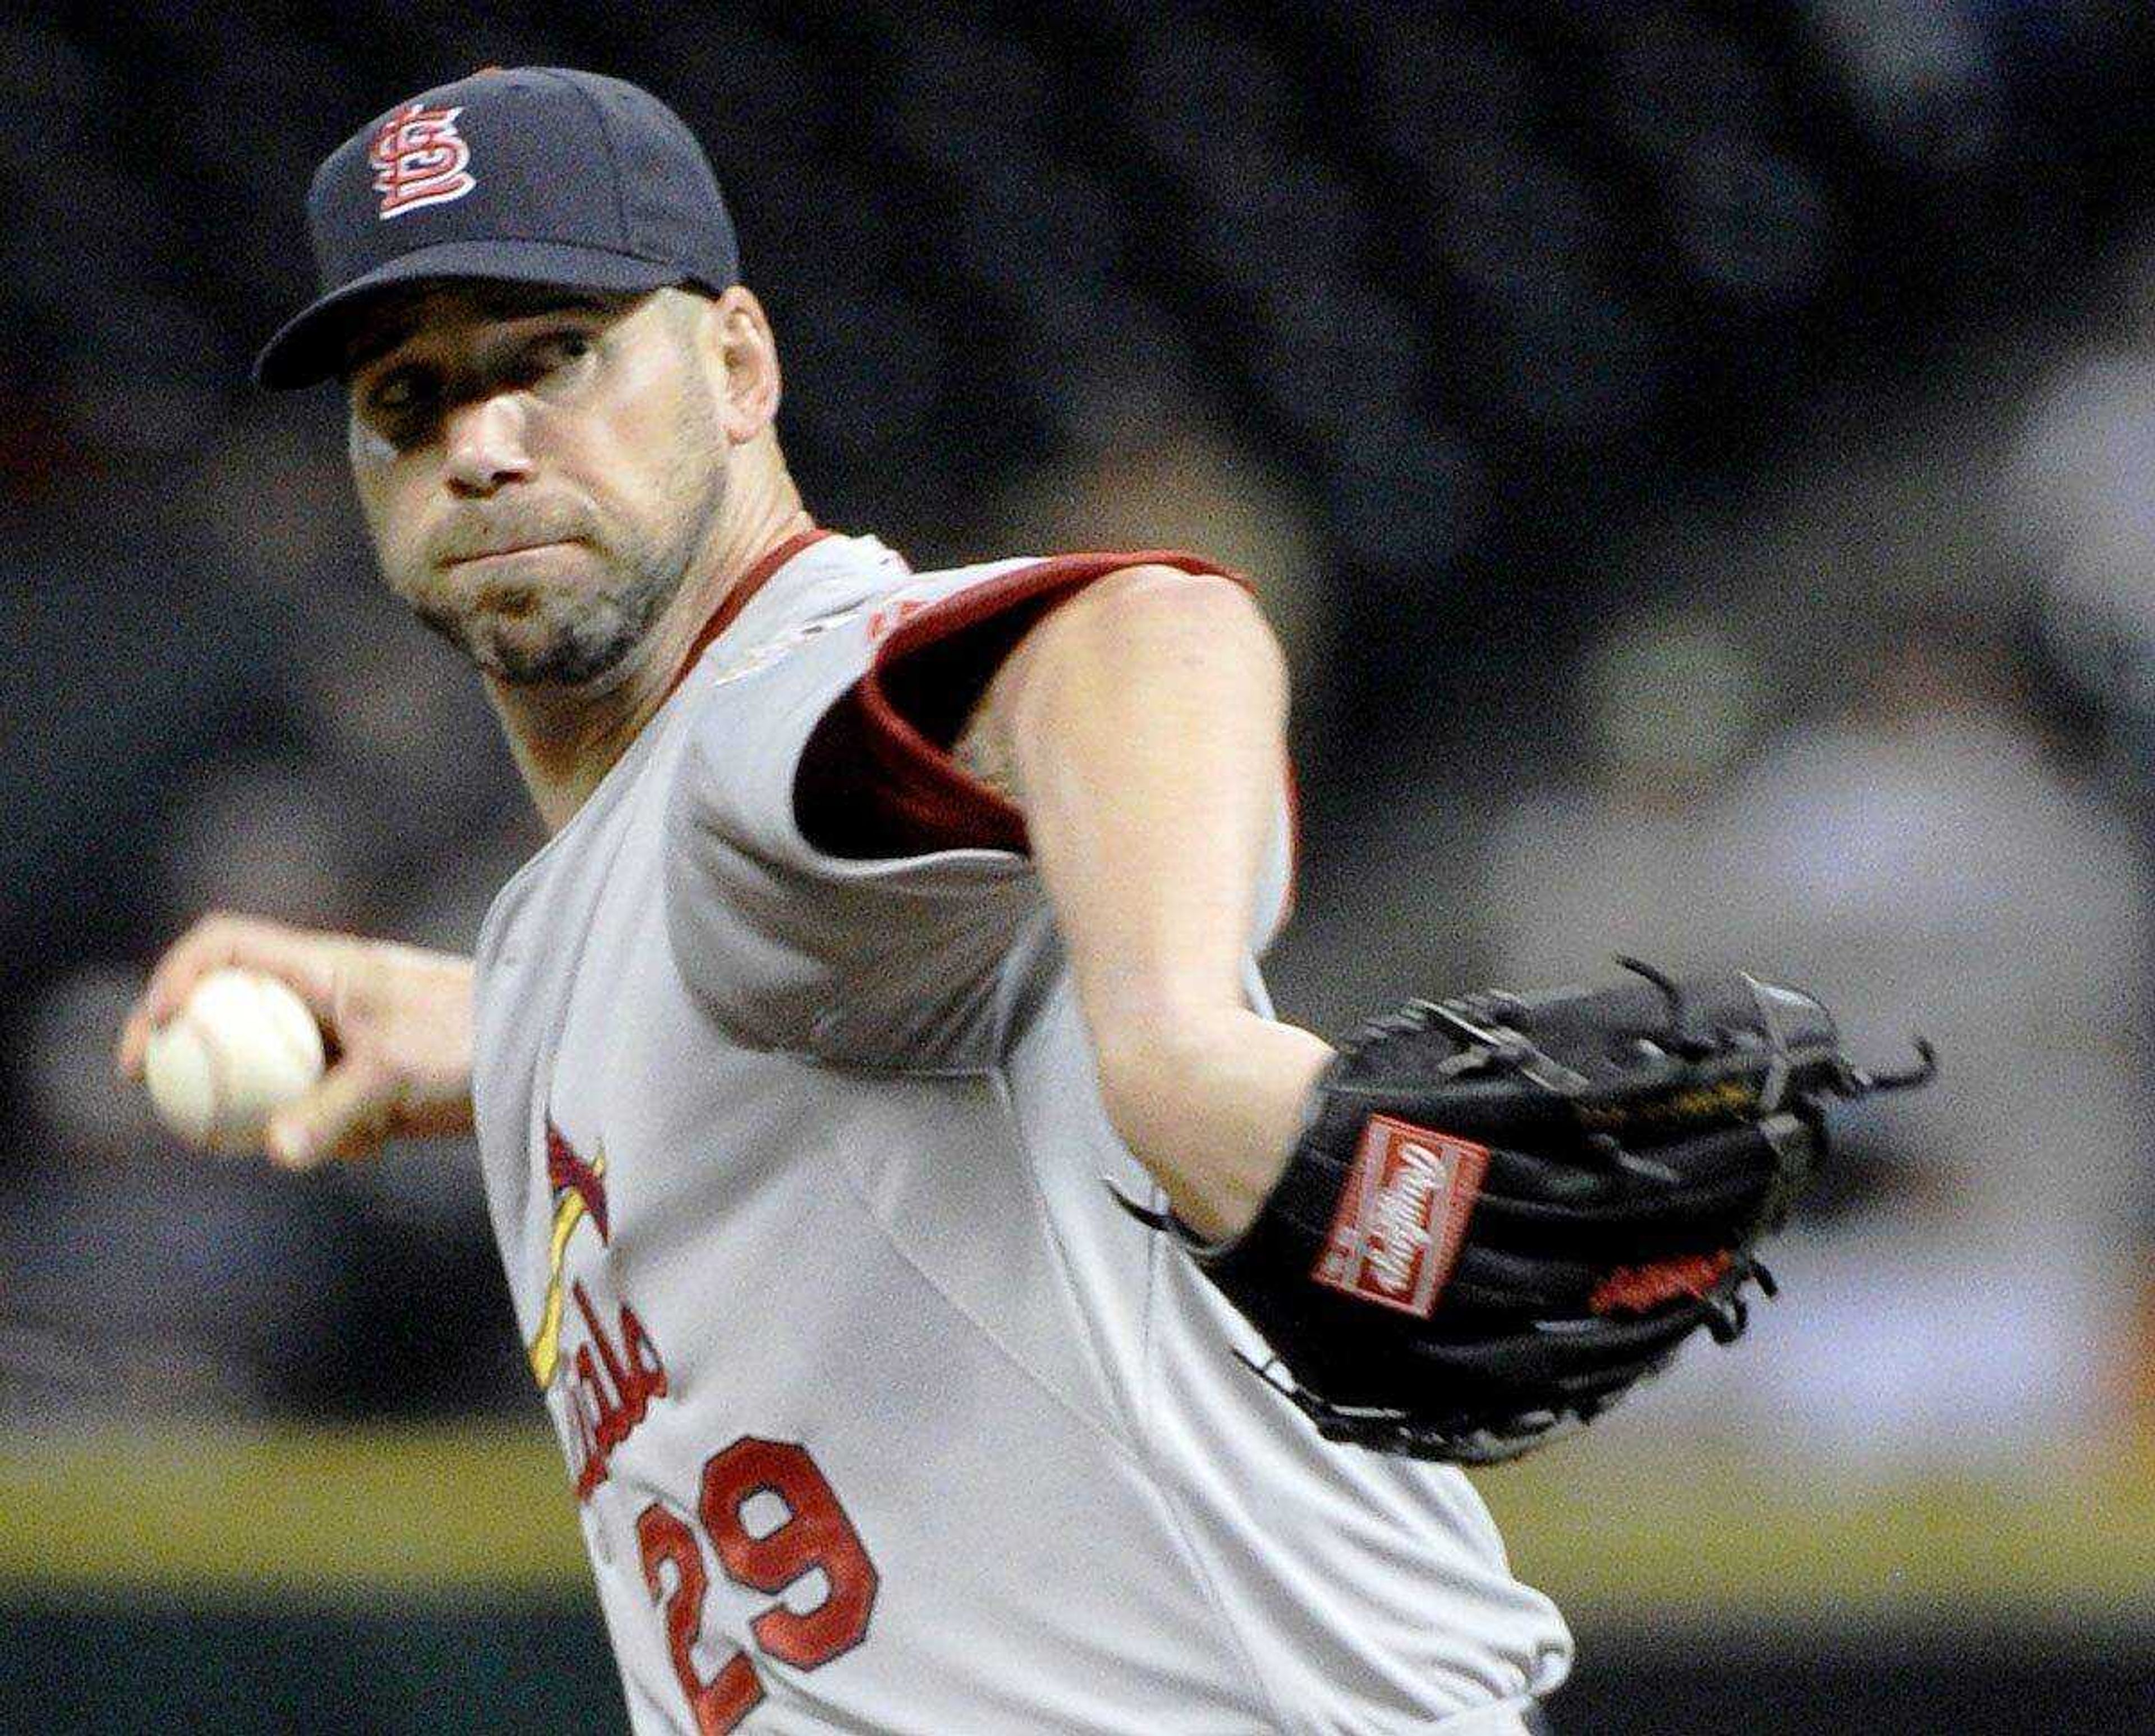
x=1141, y=728
x=397, y=1018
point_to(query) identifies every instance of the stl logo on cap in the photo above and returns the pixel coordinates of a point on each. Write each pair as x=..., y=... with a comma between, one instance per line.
x=419, y=158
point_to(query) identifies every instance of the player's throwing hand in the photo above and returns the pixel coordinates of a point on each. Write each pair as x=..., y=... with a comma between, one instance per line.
x=398, y=1021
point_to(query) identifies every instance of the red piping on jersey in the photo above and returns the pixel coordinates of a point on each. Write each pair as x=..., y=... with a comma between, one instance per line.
x=936, y=801
x=740, y=596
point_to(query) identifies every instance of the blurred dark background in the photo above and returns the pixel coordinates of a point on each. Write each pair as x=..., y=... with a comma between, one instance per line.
x=1701, y=456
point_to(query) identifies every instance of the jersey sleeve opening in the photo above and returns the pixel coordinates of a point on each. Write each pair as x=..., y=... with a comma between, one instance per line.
x=879, y=777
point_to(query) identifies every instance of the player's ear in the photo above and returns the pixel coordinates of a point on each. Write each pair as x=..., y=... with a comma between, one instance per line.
x=736, y=335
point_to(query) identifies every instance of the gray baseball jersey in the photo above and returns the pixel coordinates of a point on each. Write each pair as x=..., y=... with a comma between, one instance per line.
x=880, y=1414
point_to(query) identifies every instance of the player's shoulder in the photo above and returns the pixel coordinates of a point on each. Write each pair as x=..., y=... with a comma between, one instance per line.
x=853, y=598
x=855, y=588
x=809, y=633
x=938, y=604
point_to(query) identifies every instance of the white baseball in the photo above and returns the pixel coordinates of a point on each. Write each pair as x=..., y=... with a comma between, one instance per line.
x=241, y=1047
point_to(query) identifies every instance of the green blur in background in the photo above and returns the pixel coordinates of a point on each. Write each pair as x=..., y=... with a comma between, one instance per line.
x=412, y=1581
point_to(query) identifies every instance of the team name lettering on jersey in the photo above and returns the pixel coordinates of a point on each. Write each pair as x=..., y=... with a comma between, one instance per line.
x=612, y=1379
x=579, y=1189
x=603, y=1411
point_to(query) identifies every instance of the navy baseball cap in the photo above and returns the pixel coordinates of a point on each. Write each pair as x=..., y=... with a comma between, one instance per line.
x=523, y=175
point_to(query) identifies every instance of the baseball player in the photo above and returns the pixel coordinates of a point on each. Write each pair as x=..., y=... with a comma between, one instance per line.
x=890, y=958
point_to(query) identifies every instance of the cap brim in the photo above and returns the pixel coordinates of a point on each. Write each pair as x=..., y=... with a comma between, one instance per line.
x=310, y=346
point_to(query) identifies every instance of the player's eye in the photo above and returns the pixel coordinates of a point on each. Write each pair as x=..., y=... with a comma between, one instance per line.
x=399, y=397
x=554, y=358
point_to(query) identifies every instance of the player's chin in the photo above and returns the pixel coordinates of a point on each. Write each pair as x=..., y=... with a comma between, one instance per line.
x=536, y=648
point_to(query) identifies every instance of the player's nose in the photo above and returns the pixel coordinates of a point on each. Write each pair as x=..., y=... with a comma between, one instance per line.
x=486, y=446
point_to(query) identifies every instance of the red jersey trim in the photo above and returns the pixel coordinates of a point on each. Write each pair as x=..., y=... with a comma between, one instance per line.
x=935, y=800
x=740, y=596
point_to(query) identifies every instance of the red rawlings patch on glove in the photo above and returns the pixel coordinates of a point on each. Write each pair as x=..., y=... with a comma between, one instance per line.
x=1639, y=1290
x=1401, y=1215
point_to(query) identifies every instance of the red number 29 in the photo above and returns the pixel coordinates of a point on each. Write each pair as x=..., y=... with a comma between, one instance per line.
x=814, y=1536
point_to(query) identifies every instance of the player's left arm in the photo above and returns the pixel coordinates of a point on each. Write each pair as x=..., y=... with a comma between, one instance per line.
x=1140, y=729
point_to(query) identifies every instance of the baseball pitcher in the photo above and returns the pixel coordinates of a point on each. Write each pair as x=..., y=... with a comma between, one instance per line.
x=962, y=1306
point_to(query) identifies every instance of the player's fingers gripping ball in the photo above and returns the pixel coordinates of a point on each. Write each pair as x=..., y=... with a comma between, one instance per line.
x=1506, y=1211
x=242, y=1047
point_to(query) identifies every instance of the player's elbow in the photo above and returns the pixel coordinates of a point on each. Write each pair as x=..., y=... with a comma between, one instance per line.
x=1211, y=1103
x=1147, y=1068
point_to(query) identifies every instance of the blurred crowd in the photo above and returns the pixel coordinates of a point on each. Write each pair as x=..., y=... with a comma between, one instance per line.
x=1701, y=459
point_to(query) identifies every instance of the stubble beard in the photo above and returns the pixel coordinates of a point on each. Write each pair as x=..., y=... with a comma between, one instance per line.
x=564, y=637
x=575, y=637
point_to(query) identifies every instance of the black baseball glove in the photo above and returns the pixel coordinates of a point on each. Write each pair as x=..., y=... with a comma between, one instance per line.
x=1505, y=1212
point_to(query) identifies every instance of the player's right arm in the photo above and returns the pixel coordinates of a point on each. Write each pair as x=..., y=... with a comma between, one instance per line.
x=398, y=1020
